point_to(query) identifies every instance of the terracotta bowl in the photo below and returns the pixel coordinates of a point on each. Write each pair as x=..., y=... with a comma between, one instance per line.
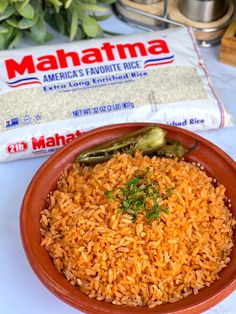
x=217, y=164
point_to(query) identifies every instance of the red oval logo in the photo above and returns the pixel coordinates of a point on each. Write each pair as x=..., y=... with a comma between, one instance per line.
x=18, y=147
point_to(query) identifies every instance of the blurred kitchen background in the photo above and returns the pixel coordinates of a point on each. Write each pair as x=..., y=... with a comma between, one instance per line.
x=209, y=18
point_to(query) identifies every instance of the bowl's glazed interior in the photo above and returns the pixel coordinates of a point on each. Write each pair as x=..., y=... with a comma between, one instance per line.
x=217, y=165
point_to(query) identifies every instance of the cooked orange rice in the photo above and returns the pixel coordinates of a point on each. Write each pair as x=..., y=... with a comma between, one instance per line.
x=139, y=263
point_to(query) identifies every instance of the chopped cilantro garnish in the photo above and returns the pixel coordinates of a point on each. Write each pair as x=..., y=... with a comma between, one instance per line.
x=168, y=193
x=137, y=195
x=110, y=195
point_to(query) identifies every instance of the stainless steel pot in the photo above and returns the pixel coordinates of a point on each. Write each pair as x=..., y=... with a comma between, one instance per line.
x=145, y=1
x=203, y=10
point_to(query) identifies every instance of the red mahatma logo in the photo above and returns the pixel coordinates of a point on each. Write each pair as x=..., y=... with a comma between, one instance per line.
x=18, y=147
x=53, y=141
x=62, y=59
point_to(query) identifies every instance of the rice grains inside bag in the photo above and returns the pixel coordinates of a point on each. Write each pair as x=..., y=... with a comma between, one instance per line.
x=49, y=95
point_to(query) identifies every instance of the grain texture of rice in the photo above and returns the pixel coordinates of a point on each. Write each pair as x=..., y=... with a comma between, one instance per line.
x=110, y=258
x=185, y=79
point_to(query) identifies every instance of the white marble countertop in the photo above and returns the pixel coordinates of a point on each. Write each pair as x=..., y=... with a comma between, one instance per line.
x=20, y=290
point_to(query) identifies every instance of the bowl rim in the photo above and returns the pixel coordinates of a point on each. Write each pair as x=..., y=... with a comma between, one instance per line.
x=53, y=286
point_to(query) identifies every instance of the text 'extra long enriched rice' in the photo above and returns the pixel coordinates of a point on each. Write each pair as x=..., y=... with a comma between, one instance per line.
x=49, y=95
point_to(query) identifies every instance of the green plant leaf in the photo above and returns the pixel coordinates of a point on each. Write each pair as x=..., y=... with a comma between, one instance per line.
x=38, y=6
x=3, y=5
x=67, y=4
x=38, y=31
x=57, y=4
x=106, y=32
x=56, y=21
x=8, y=37
x=26, y=23
x=100, y=33
x=92, y=7
x=3, y=29
x=90, y=26
x=102, y=17
x=11, y=32
x=89, y=1
x=26, y=10
x=12, y=21
x=16, y=40
x=66, y=16
x=75, y=17
x=2, y=42
x=74, y=24
x=106, y=1
x=80, y=34
x=7, y=13
x=24, y=2
x=48, y=37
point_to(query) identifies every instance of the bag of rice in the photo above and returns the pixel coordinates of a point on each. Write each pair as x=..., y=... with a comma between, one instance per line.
x=51, y=94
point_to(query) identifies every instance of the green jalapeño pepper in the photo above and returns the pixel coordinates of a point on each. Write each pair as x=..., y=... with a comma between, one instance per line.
x=147, y=139
x=172, y=149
